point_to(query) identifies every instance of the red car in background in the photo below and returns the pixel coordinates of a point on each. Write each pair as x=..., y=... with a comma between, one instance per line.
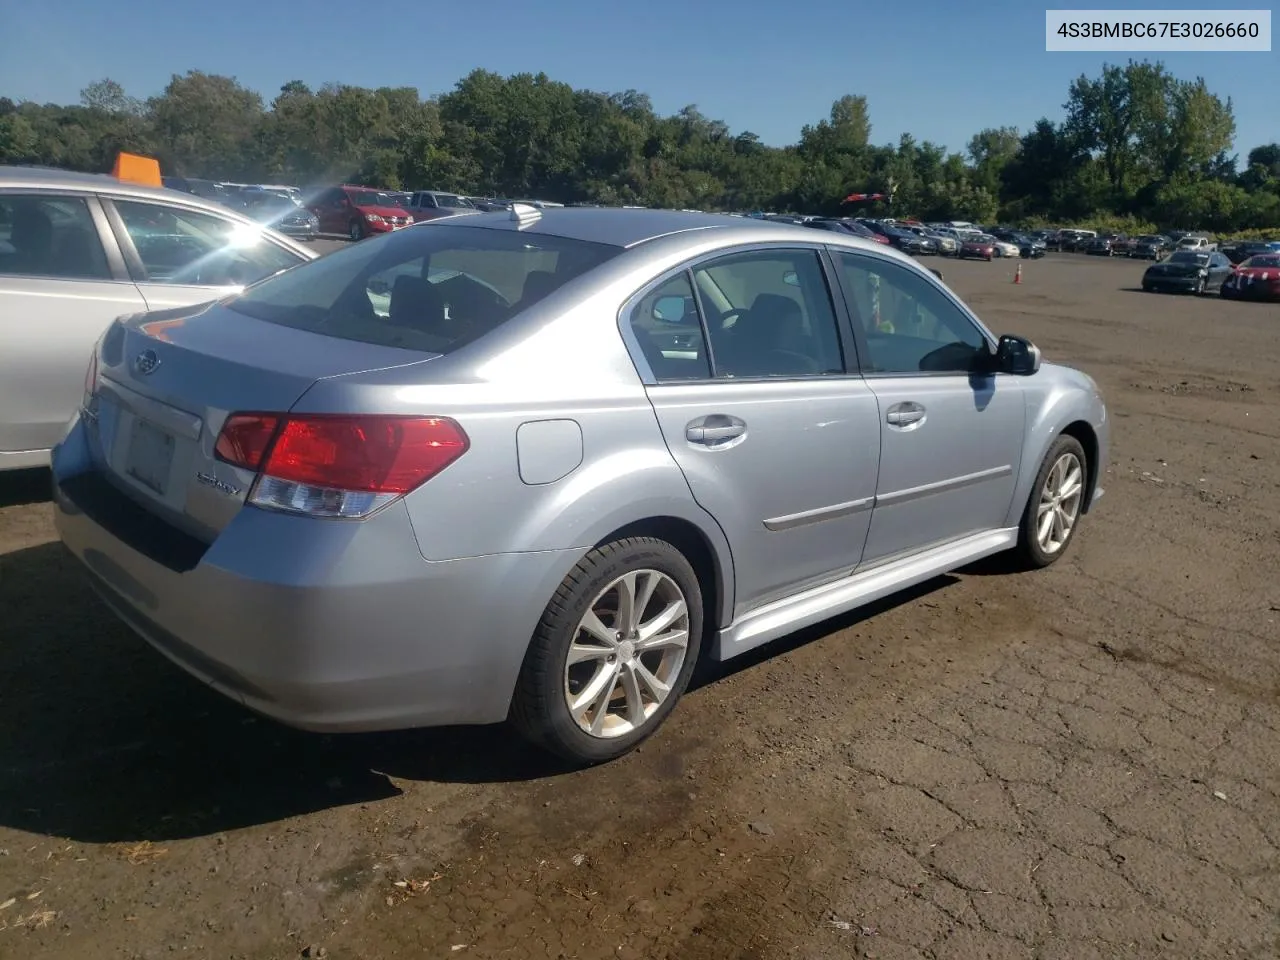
x=358, y=211
x=1257, y=278
x=977, y=248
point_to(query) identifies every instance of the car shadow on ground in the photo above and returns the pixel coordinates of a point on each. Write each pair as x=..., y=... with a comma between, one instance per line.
x=21, y=487
x=106, y=741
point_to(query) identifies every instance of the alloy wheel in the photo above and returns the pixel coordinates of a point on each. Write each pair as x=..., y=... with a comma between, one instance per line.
x=1059, y=506
x=626, y=654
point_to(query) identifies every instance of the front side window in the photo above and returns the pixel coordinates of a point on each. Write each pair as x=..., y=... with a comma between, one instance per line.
x=769, y=314
x=178, y=246
x=50, y=236
x=910, y=325
x=432, y=290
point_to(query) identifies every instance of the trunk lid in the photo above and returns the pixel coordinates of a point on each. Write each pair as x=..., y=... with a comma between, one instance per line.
x=168, y=379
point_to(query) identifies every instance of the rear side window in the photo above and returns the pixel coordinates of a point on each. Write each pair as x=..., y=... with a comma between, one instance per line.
x=432, y=289
x=50, y=236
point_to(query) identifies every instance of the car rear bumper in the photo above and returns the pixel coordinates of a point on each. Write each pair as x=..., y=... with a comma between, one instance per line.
x=322, y=625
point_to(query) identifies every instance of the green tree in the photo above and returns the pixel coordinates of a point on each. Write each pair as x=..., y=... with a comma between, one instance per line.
x=1136, y=141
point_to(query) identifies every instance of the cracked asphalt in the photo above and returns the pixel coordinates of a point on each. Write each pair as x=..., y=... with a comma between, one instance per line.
x=1078, y=763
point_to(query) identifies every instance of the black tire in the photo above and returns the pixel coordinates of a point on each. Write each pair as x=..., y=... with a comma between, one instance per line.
x=356, y=231
x=1146, y=288
x=538, y=708
x=1029, y=553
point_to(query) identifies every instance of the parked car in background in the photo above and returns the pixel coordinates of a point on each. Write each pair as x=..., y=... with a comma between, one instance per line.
x=1195, y=242
x=844, y=226
x=1103, y=246
x=946, y=246
x=980, y=247
x=370, y=507
x=1003, y=248
x=432, y=204
x=1241, y=250
x=252, y=194
x=1028, y=246
x=909, y=242
x=1257, y=278
x=358, y=211
x=285, y=215
x=1188, y=271
x=1074, y=241
x=77, y=251
x=207, y=189
x=1149, y=246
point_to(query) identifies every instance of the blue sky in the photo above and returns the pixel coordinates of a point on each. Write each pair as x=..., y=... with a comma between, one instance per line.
x=938, y=69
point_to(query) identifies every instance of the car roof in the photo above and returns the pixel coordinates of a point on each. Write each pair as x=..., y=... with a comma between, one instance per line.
x=628, y=228
x=50, y=178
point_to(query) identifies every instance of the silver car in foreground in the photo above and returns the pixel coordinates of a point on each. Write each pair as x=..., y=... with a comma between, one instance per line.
x=78, y=250
x=532, y=466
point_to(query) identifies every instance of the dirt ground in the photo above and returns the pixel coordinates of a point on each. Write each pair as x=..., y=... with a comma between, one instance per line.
x=1075, y=764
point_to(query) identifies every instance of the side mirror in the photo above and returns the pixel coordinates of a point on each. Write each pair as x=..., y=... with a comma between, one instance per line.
x=669, y=309
x=1017, y=355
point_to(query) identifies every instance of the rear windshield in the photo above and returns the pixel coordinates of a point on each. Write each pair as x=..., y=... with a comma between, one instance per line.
x=430, y=288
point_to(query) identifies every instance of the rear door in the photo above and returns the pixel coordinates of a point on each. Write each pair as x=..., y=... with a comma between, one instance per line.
x=62, y=282
x=951, y=440
x=776, y=434
x=180, y=256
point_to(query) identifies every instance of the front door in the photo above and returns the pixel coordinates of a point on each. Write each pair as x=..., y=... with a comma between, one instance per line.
x=58, y=295
x=1220, y=269
x=777, y=440
x=951, y=439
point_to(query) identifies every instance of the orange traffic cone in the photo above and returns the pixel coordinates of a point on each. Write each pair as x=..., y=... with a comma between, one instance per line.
x=1017, y=277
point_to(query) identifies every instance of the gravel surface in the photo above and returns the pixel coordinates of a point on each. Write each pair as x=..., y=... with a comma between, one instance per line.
x=1073, y=764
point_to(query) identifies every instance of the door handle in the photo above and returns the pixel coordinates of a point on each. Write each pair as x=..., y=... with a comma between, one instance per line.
x=714, y=429
x=904, y=414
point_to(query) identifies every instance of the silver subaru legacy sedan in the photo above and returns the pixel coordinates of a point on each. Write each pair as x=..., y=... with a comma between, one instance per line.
x=531, y=466
x=78, y=250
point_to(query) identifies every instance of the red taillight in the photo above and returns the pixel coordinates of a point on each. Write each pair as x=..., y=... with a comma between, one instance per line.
x=245, y=437
x=366, y=454
x=338, y=466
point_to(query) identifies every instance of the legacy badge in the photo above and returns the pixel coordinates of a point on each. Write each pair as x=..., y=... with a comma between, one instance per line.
x=209, y=480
